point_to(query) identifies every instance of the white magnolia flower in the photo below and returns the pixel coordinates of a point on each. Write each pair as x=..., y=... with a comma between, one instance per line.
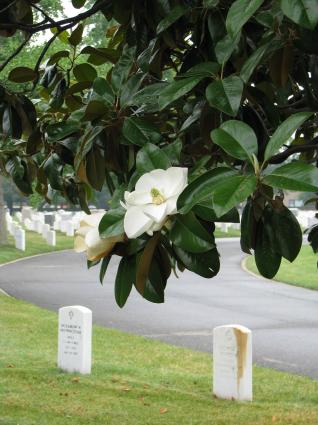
x=154, y=198
x=87, y=238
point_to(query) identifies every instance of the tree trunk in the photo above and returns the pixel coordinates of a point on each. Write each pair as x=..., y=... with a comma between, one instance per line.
x=3, y=222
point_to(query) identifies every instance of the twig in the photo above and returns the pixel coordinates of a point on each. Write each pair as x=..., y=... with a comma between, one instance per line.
x=15, y=53
x=281, y=157
x=8, y=6
x=34, y=28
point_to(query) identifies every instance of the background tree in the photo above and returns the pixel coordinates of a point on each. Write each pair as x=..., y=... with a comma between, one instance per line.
x=226, y=89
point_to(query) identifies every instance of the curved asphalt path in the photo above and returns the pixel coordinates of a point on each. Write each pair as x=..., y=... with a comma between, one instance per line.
x=284, y=319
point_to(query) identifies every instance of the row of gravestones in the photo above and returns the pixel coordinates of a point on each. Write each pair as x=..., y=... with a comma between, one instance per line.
x=17, y=232
x=232, y=352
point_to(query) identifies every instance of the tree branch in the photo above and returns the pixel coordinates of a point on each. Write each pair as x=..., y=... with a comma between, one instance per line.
x=15, y=53
x=63, y=24
x=282, y=156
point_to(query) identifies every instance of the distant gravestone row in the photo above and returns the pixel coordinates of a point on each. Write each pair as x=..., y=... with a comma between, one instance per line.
x=232, y=352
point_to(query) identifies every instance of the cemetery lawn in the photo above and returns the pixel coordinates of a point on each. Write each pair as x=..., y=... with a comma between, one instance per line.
x=35, y=244
x=232, y=233
x=302, y=272
x=134, y=381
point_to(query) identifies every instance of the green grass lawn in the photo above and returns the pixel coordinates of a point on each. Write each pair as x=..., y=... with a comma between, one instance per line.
x=35, y=244
x=232, y=233
x=302, y=272
x=134, y=381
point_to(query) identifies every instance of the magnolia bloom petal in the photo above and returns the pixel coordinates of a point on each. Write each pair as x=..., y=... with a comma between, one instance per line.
x=154, y=198
x=156, y=212
x=87, y=238
x=138, y=198
x=136, y=222
x=177, y=178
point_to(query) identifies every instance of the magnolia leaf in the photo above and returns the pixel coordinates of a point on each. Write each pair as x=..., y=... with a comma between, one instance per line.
x=112, y=223
x=125, y=279
x=237, y=139
x=296, y=175
x=226, y=94
x=239, y=13
x=231, y=191
x=302, y=12
x=284, y=132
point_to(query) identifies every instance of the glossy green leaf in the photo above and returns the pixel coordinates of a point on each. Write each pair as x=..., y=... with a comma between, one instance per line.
x=151, y=157
x=266, y=258
x=206, y=212
x=139, y=131
x=206, y=264
x=145, y=260
x=226, y=94
x=176, y=89
x=84, y=72
x=76, y=37
x=57, y=56
x=173, y=151
x=103, y=268
x=187, y=233
x=171, y=18
x=103, y=89
x=112, y=223
x=125, y=278
x=239, y=13
x=225, y=47
x=202, y=188
x=61, y=130
x=313, y=238
x=284, y=132
x=302, y=12
x=231, y=191
x=95, y=168
x=237, y=139
x=202, y=70
x=253, y=61
x=122, y=68
x=287, y=231
x=294, y=176
x=248, y=227
x=22, y=74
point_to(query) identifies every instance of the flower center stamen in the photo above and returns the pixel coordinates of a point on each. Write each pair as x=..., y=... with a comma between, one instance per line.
x=157, y=196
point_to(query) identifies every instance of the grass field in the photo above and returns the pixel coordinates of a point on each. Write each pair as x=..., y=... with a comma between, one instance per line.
x=232, y=233
x=134, y=381
x=35, y=244
x=302, y=272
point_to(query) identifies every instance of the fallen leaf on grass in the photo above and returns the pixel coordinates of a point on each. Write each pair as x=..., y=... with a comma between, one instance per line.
x=10, y=366
x=126, y=389
x=163, y=410
x=76, y=379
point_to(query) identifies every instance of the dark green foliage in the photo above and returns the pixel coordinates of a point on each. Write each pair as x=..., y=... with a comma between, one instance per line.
x=224, y=89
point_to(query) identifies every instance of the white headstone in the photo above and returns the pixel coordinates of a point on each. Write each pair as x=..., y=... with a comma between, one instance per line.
x=232, y=362
x=38, y=226
x=75, y=339
x=69, y=228
x=45, y=229
x=224, y=227
x=51, y=237
x=20, y=239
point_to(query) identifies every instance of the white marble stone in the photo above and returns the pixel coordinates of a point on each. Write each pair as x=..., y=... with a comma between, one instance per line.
x=19, y=237
x=38, y=226
x=232, y=363
x=51, y=237
x=18, y=216
x=69, y=228
x=45, y=229
x=75, y=339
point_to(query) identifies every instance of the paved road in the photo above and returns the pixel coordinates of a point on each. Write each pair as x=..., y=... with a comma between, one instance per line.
x=284, y=319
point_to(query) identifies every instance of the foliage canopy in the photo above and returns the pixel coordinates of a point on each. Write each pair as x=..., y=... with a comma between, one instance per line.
x=227, y=89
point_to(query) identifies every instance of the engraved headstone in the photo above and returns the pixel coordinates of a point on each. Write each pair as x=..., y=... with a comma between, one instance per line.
x=232, y=362
x=75, y=339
